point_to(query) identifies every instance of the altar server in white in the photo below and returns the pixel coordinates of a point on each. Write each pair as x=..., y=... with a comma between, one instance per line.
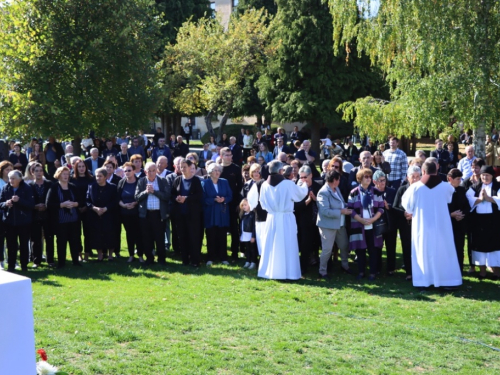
x=434, y=258
x=280, y=251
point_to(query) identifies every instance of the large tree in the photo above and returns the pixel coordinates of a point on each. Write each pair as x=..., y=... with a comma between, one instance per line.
x=303, y=80
x=209, y=62
x=71, y=66
x=440, y=59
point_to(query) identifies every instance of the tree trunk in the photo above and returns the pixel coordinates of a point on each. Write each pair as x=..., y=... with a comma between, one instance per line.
x=177, y=118
x=479, y=141
x=315, y=130
x=222, y=123
x=77, y=145
x=259, y=120
x=208, y=123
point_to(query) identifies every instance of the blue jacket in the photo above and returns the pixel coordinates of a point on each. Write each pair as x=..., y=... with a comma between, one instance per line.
x=216, y=214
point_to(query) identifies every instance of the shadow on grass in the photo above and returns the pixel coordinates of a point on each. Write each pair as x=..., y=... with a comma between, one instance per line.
x=394, y=286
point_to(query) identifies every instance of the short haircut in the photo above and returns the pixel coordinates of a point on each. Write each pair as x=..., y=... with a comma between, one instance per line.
x=102, y=171
x=437, y=141
x=454, y=173
x=135, y=157
x=178, y=160
x=195, y=156
x=275, y=166
x=73, y=159
x=246, y=167
x=15, y=173
x=149, y=164
x=362, y=172
x=478, y=162
x=4, y=165
x=305, y=169
x=187, y=161
x=255, y=167
x=432, y=159
x=213, y=166
x=413, y=169
x=332, y=175
x=59, y=171
x=93, y=149
x=429, y=167
x=128, y=164
x=251, y=159
x=336, y=159
x=394, y=139
x=378, y=175
x=110, y=162
x=225, y=149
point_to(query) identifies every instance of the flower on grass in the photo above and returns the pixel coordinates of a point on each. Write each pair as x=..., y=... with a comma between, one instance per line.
x=44, y=368
x=43, y=354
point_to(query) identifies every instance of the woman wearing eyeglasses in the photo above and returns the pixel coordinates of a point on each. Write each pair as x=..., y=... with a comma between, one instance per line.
x=367, y=205
x=129, y=212
x=337, y=164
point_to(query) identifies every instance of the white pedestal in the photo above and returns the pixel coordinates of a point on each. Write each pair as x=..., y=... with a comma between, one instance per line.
x=17, y=338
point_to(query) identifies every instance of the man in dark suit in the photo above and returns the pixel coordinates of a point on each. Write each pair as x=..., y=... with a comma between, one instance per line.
x=280, y=147
x=236, y=150
x=366, y=162
x=442, y=156
x=204, y=155
x=351, y=152
x=181, y=148
x=94, y=161
x=153, y=196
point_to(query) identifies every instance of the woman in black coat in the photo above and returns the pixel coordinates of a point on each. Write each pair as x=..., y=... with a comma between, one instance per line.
x=102, y=199
x=459, y=210
x=82, y=179
x=187, y=200
x=63, y=200
x=41, y=224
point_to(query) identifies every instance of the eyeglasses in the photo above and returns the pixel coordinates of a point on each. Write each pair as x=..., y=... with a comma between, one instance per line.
x=370, y=177
x=127, y=170
x=190, y=158
x=336, y=166
x=382, y=180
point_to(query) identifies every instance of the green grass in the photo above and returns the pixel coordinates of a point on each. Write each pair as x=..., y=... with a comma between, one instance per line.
x=116, y=318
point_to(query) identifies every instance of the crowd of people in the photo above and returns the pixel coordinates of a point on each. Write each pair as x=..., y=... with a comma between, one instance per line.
x=265, y=192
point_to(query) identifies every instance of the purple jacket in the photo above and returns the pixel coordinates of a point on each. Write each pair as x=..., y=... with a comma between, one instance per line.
x=357, y=236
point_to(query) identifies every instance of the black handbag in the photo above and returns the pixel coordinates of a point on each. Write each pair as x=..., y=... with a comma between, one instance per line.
x=381, y=226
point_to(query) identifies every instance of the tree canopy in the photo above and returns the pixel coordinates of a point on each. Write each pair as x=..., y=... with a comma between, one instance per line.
x=71, y=66
x=440, y=59
x=210, y=62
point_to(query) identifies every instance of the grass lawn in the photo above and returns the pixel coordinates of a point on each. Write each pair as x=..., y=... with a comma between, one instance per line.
x=117, y=318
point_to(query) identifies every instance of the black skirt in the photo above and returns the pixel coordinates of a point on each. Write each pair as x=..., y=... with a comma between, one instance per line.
x=484, y=232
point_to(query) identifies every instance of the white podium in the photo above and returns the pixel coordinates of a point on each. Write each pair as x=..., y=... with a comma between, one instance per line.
x=17, y=340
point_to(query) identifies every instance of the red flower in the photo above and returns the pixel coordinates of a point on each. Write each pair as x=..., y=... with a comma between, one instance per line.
x=42, y=354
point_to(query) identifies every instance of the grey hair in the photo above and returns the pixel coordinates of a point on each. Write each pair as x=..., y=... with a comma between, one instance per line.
x=73, y=159
x=413, y=169
x=102, y=171
x=432, y=159
x=149, y=164
x=418, y=152
x=275, y=166
x=377, y=175
x=94, y=149
x=305, y=169
x=213, y=166
x=325, y=162
x=15, y=173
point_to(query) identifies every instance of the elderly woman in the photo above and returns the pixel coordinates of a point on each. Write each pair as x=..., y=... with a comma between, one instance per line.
x=264, y=153
x=17, y=204
x=332, y=211
x=367, y=205
x=63, y=200
x=388, y=194
x=5, y=168
x=404, y=219
x=101, y=200
x=129, y=212
x=41, y=226
x=187, y=199
x=484, y=199
x=18, y=158
x=216, y=195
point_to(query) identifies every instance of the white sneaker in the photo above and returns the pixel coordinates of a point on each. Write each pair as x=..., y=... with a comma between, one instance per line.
x=246, y=265
x=226, y=263
x=252, y=266
x=209, y=263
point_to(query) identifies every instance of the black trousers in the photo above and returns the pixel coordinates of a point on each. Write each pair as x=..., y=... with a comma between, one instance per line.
x=17, y=236
x=216, y=243
x=250, y=251
x=390, y=239
x=67, y=233
x=373, y=254
x=40, y=229
x=132, y=226
x=459, y=237
x=405, y=234
x=189, y=227
x=153, y=233
x=309, y=243
x=2, y=241
x=175, y=237
x=84, y=225
x=234, y=230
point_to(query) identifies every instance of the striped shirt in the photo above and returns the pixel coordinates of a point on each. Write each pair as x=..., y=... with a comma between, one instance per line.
x=153, y=200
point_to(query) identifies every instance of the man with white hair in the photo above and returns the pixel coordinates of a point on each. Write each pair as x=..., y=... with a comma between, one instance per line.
x=161, y=165
x=236, y=150
x=68, y=152
x=465, y=164
x=153, y=196
x=280, y=252
x=181, y=149
x=305, y=154
x=94, y=161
